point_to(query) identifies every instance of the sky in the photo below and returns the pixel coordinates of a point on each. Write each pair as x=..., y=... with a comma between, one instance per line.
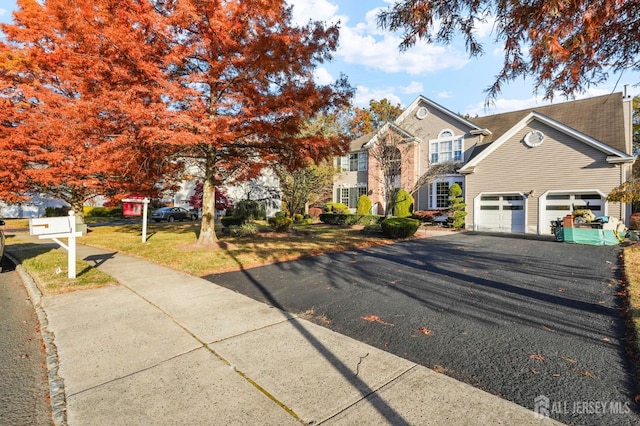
x=374, y=65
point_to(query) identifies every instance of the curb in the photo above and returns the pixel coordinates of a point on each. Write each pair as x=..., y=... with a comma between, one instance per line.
x=56, y=383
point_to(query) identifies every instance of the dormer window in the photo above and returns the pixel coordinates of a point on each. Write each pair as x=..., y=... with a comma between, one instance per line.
x=447, y=147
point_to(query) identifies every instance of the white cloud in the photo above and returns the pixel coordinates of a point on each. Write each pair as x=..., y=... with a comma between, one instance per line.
x=412, y=88
x=444, y=95
x=381, y=52
x=365, y=94
x=314, y=10
x=322, y=77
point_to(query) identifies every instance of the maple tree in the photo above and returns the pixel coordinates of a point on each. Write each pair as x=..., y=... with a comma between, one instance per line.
x=566, y=45
x=250, y=72
x=81, y=113
x=367, y=120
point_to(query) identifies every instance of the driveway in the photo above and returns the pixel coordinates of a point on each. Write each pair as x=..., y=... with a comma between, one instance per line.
x=519, y=318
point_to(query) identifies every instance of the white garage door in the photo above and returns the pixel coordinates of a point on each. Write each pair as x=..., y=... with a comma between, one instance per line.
x=557, y=206
x=501, y=213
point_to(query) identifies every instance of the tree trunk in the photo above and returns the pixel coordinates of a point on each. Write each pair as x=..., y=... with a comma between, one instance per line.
x=78, y=209
x=207, y=229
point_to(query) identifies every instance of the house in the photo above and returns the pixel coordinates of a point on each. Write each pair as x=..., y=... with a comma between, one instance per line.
x=518, y=170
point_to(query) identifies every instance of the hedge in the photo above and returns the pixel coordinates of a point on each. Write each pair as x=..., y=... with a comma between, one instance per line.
x=281, y=224
x=349, y=219
x=399, y=227
x=231, y=221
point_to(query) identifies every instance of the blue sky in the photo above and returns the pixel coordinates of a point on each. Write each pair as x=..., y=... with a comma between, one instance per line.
x=445, y=74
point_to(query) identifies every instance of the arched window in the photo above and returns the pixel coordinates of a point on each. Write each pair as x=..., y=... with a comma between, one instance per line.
x=447, y=147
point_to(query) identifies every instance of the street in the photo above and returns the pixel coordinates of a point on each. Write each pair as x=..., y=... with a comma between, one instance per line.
x=24, y=388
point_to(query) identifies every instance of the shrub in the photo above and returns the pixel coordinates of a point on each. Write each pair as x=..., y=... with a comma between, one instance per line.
x=333, y=218
x=375, y=228
x=102, y=211
x=399, y=227
x=244, y=230
x=231, y=221
x=364, y=205
x=634, y=222
x=280, y=224
x=56, y=211
x=307, y=221
x=250, y=210
x=336, y=208
x=403, y=204
x=281, y=214
x=458, y=212
x=298, y=217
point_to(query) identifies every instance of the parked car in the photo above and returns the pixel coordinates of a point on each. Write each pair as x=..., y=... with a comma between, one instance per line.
x=171, y=214
x=1, y=244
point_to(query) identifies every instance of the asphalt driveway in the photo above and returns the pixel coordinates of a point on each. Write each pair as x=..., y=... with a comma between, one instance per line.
x=520, y=318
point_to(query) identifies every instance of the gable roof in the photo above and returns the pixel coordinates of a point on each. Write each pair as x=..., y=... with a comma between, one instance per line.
x=616, y=156
x=420, y=100
x=600, y=118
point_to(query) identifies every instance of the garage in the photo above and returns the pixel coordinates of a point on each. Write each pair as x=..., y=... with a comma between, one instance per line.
x=556, y=205
x=501, y=213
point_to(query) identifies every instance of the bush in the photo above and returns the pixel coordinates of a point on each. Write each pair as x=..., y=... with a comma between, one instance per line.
x=372, y=229
x=244, y=230
x=231, y=221
x=56, y=211
x=349, y=219
x=307, y=221
x=403, y=204
x=281, y=214
x=458, y=212
x=399, y=227
x=333, y=218
x=336, y=208
x=298, y=217
x=634, y=222
x=250, y=210
x=102, y=211
x=364, y=205
x=280, y=224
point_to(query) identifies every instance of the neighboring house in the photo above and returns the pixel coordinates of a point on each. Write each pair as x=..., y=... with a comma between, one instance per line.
x=264, y=188
x=518, y=170
x=34, y=207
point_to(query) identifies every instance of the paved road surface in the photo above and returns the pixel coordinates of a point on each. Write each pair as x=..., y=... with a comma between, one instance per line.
x=519, y=318
x=24, y=389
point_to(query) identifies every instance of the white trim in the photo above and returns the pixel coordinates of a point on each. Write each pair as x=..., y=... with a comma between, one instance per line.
x=431, y=106
x=468, y=168
x=543, y=196
x=476, y=206
x=393, y=127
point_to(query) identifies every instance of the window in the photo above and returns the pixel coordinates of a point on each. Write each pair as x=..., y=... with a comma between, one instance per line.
x=344, y=196
x=446, y=148
x=350, y=196
x=353, y=162
x=442, y=195
x=363, y=161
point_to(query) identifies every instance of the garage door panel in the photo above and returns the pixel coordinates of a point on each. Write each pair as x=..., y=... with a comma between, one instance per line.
x=501, y=213
x=558, y=205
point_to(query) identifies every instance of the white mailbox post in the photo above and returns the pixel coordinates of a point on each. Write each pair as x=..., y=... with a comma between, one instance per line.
x=58, y=227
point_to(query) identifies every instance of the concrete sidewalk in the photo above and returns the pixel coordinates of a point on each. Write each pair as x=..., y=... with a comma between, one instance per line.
x=168, y=348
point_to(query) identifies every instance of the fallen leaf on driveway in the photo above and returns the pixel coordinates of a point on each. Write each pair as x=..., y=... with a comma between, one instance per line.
x=572, y=361
x=545, y=328
x=586, y=373
x=425, y=331
x=537, y=357
x=375, y=318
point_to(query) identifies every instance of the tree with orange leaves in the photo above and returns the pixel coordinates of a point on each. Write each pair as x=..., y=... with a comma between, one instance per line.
x=252, y=89
x=566, y=45
x=82, y=101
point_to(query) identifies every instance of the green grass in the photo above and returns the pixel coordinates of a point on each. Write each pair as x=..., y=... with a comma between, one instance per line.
x=174, y=245
x=48, y=266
